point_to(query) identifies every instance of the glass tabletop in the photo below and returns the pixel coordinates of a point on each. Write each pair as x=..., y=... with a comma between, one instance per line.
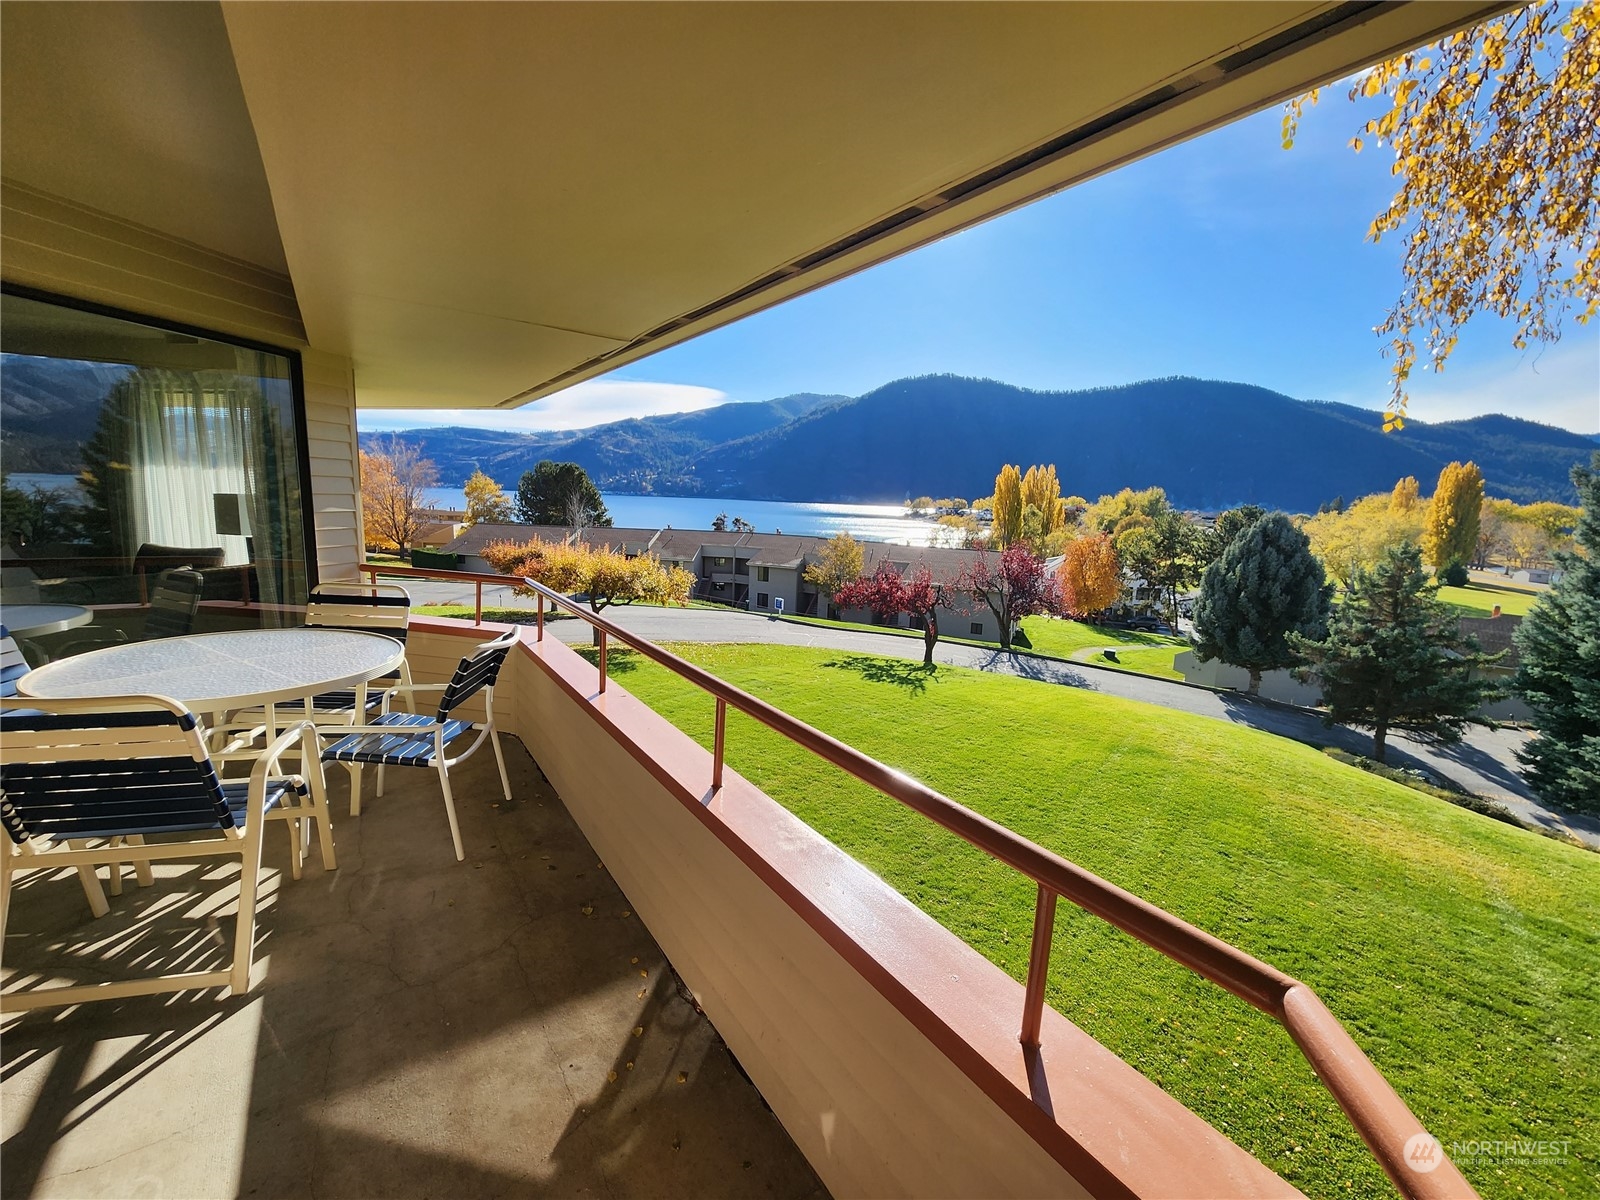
x=212, y=672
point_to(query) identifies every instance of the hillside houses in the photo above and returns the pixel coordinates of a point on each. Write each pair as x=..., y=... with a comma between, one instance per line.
x=761, y=572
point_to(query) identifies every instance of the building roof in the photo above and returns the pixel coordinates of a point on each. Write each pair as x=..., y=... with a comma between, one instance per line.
x=782, y=550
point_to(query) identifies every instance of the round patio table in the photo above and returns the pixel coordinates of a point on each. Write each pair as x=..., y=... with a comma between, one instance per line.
x=216, y=673
x=36, y=620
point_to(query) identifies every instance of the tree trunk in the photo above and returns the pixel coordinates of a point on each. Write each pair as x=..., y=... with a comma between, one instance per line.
x=930, y=635
x=594, y=630
x=1255, y=682
x=1380, y=731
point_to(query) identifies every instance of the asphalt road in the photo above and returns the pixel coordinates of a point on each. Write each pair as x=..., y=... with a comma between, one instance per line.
x=1485, y=763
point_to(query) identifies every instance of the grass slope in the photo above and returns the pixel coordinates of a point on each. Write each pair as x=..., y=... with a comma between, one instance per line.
x=1144, y=660
x=1479, y=599
x=1059, y=638
x=1462, y=954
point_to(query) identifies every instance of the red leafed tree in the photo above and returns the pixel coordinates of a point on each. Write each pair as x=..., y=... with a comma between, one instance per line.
x=1013, y=585
x=880, y=593
x=887, y=593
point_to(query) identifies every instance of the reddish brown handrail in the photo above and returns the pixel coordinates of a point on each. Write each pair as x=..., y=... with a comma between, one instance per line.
x=1377, y=1112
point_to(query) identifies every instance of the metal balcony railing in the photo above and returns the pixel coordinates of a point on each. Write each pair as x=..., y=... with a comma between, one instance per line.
x=1373, y=1107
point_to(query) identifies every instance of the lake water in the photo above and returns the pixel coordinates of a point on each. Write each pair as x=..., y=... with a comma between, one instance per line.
x=869, y=522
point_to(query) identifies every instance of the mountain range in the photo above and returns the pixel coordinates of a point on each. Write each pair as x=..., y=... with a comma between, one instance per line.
x=1210, y=443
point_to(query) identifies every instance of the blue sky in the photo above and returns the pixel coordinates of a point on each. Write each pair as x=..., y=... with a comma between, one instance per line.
x=1226, y=257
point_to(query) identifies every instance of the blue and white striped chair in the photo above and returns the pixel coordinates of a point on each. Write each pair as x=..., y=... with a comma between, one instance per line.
x=365, y=608
x=411, y=739
x=12, y=665
x=114, y=771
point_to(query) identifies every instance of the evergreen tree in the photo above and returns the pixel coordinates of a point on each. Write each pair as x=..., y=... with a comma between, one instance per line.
x=1559, y=643
x=1266, y=585
x=1234, y=521
x=560, y=493
x=1395, y=656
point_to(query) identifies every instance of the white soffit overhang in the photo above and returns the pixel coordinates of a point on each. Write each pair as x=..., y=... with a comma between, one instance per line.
x=482, y=203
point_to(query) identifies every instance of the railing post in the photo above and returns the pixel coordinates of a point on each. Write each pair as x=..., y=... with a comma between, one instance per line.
x=477, y=608
x=539, y=637
x=1044, y=927
x=602, y=634
x=718, y=745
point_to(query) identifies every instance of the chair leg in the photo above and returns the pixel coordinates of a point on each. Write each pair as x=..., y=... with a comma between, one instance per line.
x=8, y=855
x=450, y=811
x=244, y=936
x=380, y=779
x=92, y=891
x=355, y=788
x=141, y=869
x=499, y=757
x=297, y=848
x=321, y=813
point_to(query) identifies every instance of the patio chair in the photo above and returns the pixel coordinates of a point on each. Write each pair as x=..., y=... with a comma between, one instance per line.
x=12, y=665
x=174, y=601
x=416, y=740
x=365, y=608
x=112, y=772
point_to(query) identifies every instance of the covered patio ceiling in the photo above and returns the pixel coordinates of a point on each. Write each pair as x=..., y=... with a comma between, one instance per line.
x=483, y=203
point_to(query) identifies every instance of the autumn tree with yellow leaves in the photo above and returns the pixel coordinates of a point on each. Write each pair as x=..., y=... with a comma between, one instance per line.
x=394, y=478
x=1495, y=133
x=1090, y=575
x=1007, y=526
x=486, y=503
x=1406, y=495
x=1360, y=537
x=604, y=575
x=1450, y=527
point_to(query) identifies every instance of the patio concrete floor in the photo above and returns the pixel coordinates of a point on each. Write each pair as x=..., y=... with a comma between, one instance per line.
x=418, y=1027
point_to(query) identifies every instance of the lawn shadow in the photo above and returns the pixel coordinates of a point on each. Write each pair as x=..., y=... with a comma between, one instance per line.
x=1041, y=670
x=913, y=677
x=619, y=660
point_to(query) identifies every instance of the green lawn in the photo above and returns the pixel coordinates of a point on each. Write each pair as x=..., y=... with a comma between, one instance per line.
x=464, y=612
x=1461, y=953
x=1144, y=660
x=1479, y=599
x=1059, y=638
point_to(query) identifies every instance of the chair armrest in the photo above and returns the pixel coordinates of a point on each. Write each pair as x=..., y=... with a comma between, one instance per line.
x=417, y=687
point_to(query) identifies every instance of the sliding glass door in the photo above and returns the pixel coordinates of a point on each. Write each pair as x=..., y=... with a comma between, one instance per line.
x=128, y=451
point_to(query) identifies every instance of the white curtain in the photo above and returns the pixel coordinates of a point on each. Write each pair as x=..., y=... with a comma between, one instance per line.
x=190, y=436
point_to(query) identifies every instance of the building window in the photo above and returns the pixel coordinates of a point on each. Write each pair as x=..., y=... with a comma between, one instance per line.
x=131, y=448
x=761, y=575
x=761, y=600
x=977, y=629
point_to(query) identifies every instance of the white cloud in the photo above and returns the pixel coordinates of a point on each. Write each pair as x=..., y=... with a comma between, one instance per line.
x=1560, y=386
x=593, y=402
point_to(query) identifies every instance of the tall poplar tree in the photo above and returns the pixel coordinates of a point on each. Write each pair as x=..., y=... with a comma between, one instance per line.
x=1450, y=527
x=1559, y=677
x=1007, y=526
x=1266, y=585
x=1395, y=657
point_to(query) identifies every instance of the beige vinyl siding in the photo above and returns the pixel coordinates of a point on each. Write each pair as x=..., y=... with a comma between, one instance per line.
x=53, y=244
x=330, y=388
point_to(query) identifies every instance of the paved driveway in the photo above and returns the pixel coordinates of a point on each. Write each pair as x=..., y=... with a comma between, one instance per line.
x=1485, y=763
